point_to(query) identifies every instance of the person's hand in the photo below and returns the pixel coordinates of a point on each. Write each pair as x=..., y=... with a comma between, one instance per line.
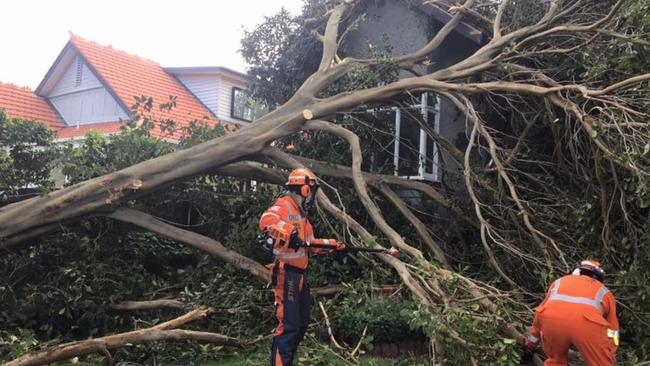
x=341, y=247
x=266, y=241
x=279, y=234
x=295, y=242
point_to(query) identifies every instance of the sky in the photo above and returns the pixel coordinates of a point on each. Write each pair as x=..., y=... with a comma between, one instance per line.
x=171, y=33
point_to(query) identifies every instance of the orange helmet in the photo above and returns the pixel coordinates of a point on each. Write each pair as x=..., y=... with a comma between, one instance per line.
x=303, y=179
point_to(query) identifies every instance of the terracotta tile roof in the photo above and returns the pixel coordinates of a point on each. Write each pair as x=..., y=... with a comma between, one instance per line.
x=128, y=76
x=20, y=102
x=102, y=128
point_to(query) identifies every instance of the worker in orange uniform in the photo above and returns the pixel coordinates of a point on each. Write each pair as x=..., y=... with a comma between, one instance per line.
x=578, y=311
x=288, y=234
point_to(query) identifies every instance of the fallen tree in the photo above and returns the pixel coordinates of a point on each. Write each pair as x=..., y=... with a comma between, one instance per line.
x=593, y=135
x=106, y=192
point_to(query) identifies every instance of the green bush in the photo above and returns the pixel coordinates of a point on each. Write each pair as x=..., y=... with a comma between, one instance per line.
x=385, y=318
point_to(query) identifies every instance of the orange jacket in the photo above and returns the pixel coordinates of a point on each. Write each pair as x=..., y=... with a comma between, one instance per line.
x=576, y=298
x=285, y=212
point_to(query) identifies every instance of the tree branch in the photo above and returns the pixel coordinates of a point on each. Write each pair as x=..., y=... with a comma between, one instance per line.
x=417, y=224
x=195, y=240
x=376, y=180
x=360, y=184
x=477, y=209
x=536, y=234
x=436, y=41
x=572, y=28
x=162, y=332
x=496, y=27
x=330, y=41
x=148, y=305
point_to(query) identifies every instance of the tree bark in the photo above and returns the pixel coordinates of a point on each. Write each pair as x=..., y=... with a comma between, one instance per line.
x=148, y=305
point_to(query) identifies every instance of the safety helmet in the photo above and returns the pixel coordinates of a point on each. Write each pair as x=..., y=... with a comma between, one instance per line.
x=302, y=181
x=591, y=268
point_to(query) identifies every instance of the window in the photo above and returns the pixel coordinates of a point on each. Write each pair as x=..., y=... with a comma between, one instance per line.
x=415, y=153
x=244, y=107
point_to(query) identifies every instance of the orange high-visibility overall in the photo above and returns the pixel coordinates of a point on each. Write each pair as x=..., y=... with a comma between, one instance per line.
x=580, y=311
x=288, y=278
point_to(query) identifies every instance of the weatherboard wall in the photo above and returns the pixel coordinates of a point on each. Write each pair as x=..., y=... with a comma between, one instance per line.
x=81, y=99
x=205, y=87
x=225, y=100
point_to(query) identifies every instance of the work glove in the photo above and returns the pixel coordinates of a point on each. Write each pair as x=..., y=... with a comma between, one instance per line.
x=266, y=241
x=295, y=242
x=280, y=235
x=527, y=354
x=341, y=247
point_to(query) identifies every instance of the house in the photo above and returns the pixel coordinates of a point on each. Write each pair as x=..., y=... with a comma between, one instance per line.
x=402, y=27
x=92, y=87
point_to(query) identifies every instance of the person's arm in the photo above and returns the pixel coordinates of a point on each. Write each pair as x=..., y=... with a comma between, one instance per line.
x=534, y=334
x=330, y=245
x=272, y=220
x=609, y=308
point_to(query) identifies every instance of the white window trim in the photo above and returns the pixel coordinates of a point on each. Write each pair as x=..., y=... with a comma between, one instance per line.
x=422, y=174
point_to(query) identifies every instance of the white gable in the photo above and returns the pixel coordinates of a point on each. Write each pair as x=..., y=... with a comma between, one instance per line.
x=87, y=107
x=76, y=77
x=79, y=96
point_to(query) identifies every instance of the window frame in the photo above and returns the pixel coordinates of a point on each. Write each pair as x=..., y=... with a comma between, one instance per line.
x=235, y=89
x=434, y=176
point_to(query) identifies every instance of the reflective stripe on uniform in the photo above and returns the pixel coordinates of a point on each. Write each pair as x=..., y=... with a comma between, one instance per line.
x=272, y=214
x=555, y=296
x=291, y=255
x=288, y=205
x=533, y=339
x=612, y=333
x=292, y=217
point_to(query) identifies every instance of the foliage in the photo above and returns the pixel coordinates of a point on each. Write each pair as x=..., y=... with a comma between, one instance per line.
x=283, y=53
x=313, y=354
x=584, y=204
x=27, y=157
x=588, y=206
x=62, y=289
x=459, y=334
x=388, y=319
